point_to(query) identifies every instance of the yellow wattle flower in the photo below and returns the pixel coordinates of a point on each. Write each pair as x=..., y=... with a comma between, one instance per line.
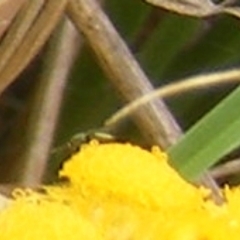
x=36, y=216
x=120, y=192
x=129, y=173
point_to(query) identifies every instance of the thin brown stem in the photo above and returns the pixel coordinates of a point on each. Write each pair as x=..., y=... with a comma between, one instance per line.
x=177, y=87
x=154, y=120
x=8, y=11
x=61, y=54
x=33, y=41
x=230, y=168
x=18, y=29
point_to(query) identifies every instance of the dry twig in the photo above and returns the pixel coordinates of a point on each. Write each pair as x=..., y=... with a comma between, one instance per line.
x=8, y=11
x=45, y=110
x=121, y=67
x=178, y=87
x=229, y=168
x=33, y=41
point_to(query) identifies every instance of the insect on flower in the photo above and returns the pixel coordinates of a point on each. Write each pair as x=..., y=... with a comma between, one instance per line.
x=73, y=145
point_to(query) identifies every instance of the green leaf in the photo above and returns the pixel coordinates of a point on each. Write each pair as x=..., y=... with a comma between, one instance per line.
x=214, y=136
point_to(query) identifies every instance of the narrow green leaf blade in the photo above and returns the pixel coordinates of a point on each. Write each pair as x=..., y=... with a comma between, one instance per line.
x=211, y=138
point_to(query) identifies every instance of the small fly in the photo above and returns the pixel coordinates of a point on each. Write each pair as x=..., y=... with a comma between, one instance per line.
x=75, y=142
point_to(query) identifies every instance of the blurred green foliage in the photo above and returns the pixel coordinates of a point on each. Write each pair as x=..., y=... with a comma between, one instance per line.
x=177, y=47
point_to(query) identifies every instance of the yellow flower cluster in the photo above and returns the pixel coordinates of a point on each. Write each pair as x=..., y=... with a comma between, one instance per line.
x=120, y=192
